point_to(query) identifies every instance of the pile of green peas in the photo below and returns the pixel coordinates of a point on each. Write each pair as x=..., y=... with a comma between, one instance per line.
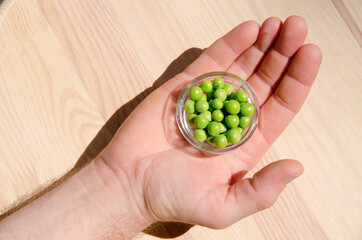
x=218, y=114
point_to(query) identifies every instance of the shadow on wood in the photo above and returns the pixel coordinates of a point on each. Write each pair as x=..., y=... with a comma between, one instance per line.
x=107, y=132
x=104, y=136
x=167, y=229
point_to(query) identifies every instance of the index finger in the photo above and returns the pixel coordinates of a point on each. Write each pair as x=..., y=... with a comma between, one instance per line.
x=220, y=55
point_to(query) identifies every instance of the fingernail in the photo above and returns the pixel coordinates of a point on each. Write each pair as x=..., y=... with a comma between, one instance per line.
x=291, y=178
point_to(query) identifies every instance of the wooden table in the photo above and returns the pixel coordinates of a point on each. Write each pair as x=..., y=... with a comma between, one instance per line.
x=66, y=66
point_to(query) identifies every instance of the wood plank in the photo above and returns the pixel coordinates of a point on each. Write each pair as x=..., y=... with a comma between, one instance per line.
x=351, y=13
x=111, y=51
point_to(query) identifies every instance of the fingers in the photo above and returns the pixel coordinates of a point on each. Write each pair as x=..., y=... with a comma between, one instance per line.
x=247, y=62
x=223, y=52
x=220, y=55
x=279, y=110
x=252, y=195
x=273, y=66
x=291, y=93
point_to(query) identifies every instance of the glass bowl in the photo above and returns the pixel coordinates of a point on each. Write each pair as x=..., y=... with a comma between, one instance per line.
x=187, y=130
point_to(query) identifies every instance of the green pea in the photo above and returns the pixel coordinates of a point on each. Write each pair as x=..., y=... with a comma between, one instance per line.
x=203, y=97
x=206, y=115
x=244, y=122
x=223, y=128
x=241, y=96
x=191, y=119
x=201, y=122
x=247, y=109
x=218, y=83
x=189, y=106
x=233, y=135
x=206, y=86
x=210, y=140
x=232, y=121
x=229, y=89
x=195, y=93
x=220, y=94
x=233, y=107
x=200, y=135
x=213, y=128
x=217, y=103
x=240, y=130
x=221, y=141
x=202, y=106
x=217, y=115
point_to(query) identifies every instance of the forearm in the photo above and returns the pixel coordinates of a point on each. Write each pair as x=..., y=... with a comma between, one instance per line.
x=92, y=204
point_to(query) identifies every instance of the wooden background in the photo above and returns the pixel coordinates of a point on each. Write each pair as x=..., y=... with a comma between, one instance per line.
x=66, y=66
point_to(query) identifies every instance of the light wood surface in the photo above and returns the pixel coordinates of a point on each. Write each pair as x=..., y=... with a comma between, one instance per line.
x=66, y=66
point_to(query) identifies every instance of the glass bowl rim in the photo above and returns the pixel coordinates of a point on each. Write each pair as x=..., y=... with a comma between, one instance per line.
x=251, y=128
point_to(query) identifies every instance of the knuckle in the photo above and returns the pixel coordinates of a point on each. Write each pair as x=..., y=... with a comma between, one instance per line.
x=265, y=203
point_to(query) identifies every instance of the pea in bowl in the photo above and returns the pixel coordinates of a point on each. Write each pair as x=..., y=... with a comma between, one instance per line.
x=217, y=112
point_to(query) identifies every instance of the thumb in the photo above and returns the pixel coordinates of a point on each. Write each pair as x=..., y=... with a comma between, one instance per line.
x=254, y=194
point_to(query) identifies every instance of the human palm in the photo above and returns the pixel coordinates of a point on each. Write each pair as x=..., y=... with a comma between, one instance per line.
x=170, y=179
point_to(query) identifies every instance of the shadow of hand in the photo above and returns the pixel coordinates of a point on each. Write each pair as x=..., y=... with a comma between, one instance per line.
x=173, y=181
x=104, y=136
x=176, y=182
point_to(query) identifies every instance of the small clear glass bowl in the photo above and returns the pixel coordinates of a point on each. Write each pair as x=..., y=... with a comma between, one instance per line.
x=187, y=130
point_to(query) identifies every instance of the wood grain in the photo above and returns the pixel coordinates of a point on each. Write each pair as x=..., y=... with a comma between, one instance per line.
x=351, y=10
x=67, y=66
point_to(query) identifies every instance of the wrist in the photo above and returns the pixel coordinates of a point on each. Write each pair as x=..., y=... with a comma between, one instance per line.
x=119, y=197
x=119, y=212
x=91, y=204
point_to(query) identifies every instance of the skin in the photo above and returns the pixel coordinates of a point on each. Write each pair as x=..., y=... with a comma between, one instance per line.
x=150, y=173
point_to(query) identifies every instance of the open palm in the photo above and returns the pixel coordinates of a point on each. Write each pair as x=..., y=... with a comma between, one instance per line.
x=169, y=179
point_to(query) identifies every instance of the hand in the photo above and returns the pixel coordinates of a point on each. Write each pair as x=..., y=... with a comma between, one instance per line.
x=170, y=180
